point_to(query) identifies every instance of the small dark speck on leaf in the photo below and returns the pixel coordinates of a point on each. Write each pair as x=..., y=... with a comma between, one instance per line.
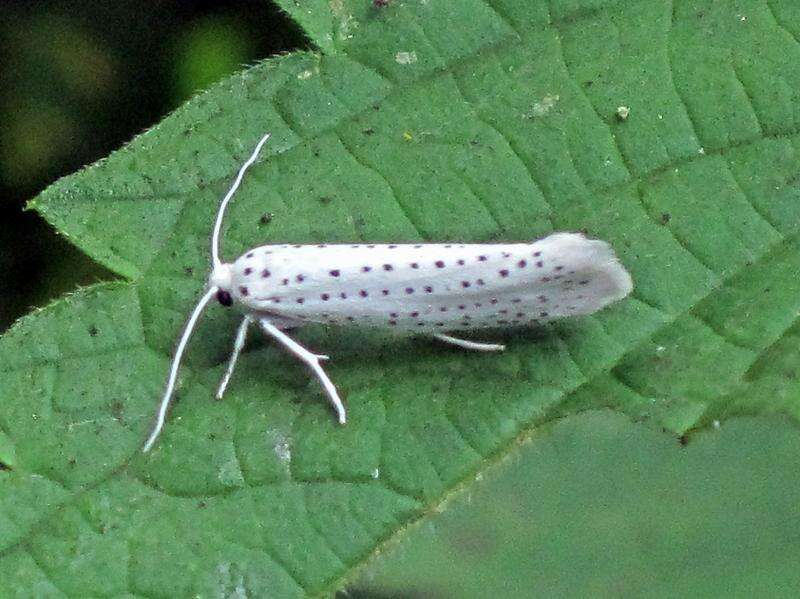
x=325, y=199
x=93, y=331
x=683, y=440
x=665, y=218
x=266, y=218
x=117, y=409
x=4, y=466
x=188, y=270
x=368, y=131
x=201, y=505
x=793, y=180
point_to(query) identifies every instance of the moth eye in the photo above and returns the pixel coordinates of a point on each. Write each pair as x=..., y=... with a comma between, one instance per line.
x=224, y=298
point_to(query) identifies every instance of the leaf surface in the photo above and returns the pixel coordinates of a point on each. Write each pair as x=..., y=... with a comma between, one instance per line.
x=473, y=121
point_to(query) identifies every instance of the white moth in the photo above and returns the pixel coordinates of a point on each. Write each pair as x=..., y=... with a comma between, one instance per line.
x=428, y=288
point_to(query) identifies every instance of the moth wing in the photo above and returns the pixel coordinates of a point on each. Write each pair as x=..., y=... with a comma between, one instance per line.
x=602, y=279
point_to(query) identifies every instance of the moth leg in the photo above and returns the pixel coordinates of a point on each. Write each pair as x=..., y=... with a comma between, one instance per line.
x=241, y=335
x=311, y=360
x=469, y=344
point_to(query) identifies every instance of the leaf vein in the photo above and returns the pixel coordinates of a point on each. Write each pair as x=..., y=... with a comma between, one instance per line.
x=671, y=75
x=678, y=239
x=476, y=111
x=740, y=82
x=778, y=23
x=395, y=195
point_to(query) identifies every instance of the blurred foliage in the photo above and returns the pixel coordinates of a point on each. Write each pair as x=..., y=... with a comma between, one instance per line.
x=213, y=47
x=599, y=506
x=79, y=79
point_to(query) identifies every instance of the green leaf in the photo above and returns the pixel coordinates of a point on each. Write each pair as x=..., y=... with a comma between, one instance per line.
x=422, y=120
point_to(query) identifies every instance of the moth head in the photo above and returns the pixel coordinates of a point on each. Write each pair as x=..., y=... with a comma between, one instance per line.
x=221, y=278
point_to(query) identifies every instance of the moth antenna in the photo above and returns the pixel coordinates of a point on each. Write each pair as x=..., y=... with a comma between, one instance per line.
x=176, y=363
x=224, y=204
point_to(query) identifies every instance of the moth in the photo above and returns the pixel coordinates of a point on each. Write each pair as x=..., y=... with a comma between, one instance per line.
x=432, y=289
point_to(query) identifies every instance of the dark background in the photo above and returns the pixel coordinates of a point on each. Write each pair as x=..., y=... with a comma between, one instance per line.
x=78, y=80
